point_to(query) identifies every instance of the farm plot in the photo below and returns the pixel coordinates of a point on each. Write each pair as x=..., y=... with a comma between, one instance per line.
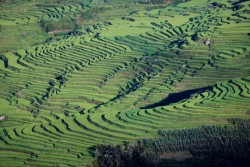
x=62, y=98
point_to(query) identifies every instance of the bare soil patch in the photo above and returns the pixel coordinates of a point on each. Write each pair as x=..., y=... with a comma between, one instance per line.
x=179, y=156
x=2, y=118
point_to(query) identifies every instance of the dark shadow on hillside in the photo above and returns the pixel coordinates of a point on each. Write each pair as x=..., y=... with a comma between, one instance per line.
x=177, y=97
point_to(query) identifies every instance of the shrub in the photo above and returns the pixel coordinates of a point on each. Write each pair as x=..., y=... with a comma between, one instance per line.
x=195, y=37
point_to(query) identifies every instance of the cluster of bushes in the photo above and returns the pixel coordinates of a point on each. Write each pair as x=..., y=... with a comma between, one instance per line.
x=133, y=155
x=179, y=43
x=224, y=144
x=64, y=23
x=195, y=37
x=128, y=18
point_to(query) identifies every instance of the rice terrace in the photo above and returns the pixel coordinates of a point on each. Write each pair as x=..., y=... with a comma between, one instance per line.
x=124, y=83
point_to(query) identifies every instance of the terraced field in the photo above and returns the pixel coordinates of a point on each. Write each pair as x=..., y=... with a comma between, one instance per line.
x=34, y=14
x=122, y=80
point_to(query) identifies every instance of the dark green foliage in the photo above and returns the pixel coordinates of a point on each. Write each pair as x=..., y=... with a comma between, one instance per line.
x=51, y=83
x=179, y=42
x=157, y=25
x=110, y=156
x=134, y=155
x=65, y=23
x=238, y=2
x=133, y=12
x=157, y=1
x=2, y=57
x=61, y=79
x=75, y=33
x=216, y=4
x=97, y=35
x=195, y=37
x=237, y=7
x=218, y=144
x=128, y=18
x=208, y=141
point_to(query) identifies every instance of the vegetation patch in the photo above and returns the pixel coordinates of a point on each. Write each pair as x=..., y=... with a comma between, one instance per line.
x=209, y=143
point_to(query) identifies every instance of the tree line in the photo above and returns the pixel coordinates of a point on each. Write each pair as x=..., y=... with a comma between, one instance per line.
x=229, y=145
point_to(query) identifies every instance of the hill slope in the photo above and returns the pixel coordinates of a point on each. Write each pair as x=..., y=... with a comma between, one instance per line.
x=123, y=79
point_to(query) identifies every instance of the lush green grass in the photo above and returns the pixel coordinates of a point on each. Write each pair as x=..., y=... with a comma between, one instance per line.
x=63, y=97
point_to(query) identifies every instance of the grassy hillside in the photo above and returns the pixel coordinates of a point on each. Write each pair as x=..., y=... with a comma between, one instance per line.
x=125, y=72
